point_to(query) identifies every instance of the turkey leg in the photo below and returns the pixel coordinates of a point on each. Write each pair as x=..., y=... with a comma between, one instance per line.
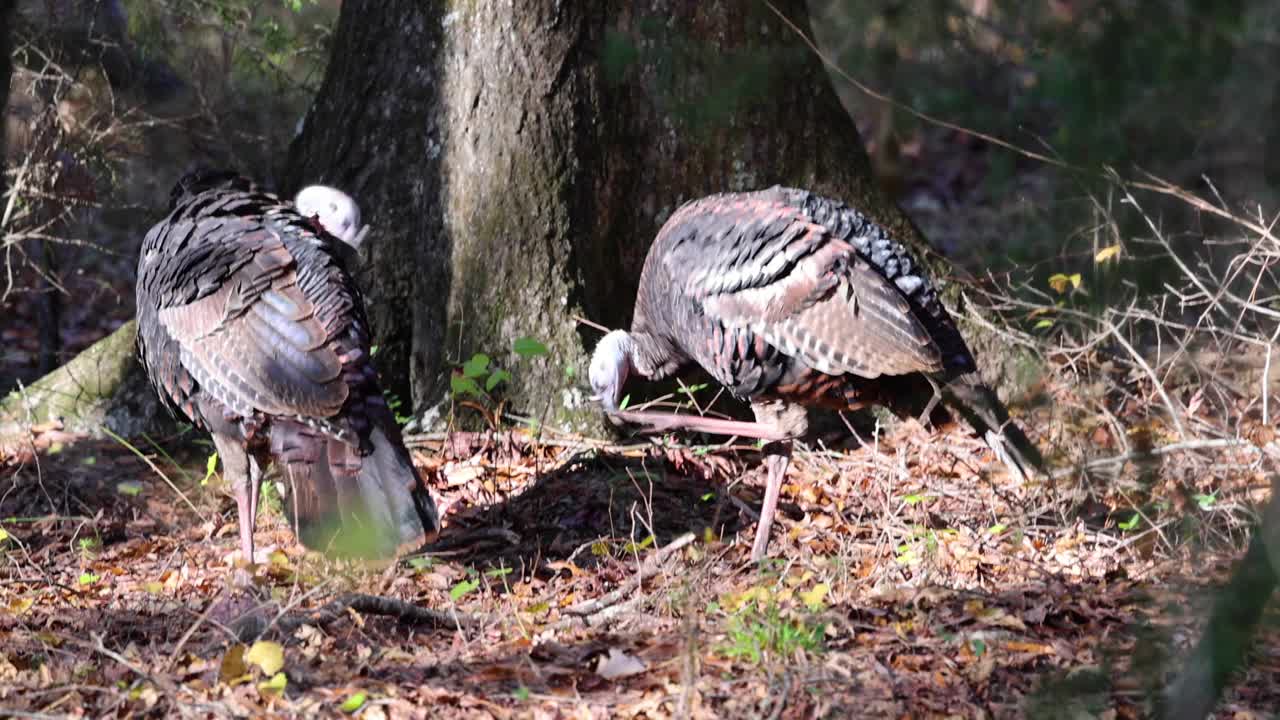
x=778, y=459
x=243, y=474
x=667, y=422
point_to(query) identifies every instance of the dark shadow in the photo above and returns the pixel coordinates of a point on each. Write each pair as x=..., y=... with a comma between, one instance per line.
x=594, y=506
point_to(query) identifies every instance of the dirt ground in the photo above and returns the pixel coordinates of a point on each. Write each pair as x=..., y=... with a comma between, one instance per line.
x=910, y=578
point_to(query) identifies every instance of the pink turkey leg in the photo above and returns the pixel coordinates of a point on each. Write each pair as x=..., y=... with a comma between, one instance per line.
x=777, y=464
x=666, y=422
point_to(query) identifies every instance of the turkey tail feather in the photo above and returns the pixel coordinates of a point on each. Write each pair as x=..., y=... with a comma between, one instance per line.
x=351, y=506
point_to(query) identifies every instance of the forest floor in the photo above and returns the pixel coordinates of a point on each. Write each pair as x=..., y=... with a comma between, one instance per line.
x=912, y=577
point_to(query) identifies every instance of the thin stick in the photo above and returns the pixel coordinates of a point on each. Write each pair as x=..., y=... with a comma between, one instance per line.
x=583, y=321
x=1164, y=394
x=1157, y=452
x=153, y=466
x=652, y=565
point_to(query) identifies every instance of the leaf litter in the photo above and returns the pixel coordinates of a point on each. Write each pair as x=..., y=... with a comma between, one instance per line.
x=913, y=578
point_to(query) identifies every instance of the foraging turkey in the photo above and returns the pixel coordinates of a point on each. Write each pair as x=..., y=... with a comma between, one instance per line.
x=790, y=299
x=250, y=325
x=335, y=210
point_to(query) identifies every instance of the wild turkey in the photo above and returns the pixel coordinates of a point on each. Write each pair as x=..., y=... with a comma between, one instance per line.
x=250, y=326
x=790, y=299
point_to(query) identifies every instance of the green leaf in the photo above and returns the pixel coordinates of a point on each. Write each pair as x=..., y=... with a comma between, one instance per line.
x=353, y=703
x=129, y=487
x=1206, y=502
x=496, y=377
x=996, y=529
x=1131, y=523
x=421, y=562
x=91, y=460
x=1044, y=323
x=462, y=385
x=522, y=693
x=4, y=535
x=463, y=588
x=373, y=350
x=275, y=685
x=979, y=647
x=497, y=572
x=914, y=499
x=626, y=400
x=528, y=347
x=209, y=466
x=636, y=547
x=88, y=578
x=477, y=366
x=707, y=496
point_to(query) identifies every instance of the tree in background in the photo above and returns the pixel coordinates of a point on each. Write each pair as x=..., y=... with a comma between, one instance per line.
x=517, y=162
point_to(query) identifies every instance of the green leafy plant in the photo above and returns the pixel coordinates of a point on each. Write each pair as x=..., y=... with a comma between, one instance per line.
x=475, y=372
x=754, y=635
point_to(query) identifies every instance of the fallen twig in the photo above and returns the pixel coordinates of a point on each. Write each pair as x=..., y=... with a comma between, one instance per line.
x=652, y=565
x=1155, y=452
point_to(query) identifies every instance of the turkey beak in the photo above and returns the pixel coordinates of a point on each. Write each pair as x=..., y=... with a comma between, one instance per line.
x=608, y=399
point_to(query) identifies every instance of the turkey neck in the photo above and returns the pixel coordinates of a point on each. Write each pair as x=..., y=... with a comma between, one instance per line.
x=655, y=356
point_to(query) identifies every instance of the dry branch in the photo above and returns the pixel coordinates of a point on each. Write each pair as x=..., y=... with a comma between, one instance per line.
x=652, y=565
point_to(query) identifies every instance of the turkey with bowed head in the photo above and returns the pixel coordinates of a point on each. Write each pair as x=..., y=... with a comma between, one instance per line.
x=790, y=299
x=250, y=325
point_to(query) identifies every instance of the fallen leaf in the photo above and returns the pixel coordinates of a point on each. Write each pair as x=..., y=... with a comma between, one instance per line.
x=275, y=685
x=353, y=703
x=815, y=596
x=267, y=655
x=233, y=668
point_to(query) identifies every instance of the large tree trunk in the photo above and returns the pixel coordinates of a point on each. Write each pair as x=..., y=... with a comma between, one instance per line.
x=6, y=75
x=516, y=159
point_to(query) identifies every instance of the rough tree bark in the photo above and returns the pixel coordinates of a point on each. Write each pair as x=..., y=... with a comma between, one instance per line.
x=6, y=74
x=516, y=158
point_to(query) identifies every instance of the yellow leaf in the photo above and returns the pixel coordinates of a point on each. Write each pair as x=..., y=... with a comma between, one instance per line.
x=154, y=588
x=278, y=558
x=1107, y=253
x=267, y=655
x=275, y=685
x=1075, y=280
x=4, y=535
x=17, y=606
x=732, y=601
x=1059, y=282
x=814, y=596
